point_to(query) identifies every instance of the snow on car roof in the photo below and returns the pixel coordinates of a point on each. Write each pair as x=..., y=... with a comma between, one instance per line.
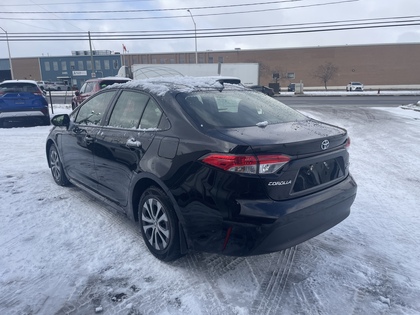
x=160, y=86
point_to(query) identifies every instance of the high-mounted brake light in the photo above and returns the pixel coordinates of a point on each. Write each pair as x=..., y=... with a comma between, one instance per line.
x=247, y=164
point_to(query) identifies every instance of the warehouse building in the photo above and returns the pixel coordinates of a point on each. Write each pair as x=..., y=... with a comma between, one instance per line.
x=386, y=65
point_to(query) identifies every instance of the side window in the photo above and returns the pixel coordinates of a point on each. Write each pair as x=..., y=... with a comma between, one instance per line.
x=92, y=111
x=83, y=88
x=151, y=116
x=89, y=87
x=128, y=109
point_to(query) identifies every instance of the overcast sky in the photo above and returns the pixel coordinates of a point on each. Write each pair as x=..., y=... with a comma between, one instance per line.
x=23, y=16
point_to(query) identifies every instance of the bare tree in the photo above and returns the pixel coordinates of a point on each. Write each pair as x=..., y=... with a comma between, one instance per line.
x=326, y=73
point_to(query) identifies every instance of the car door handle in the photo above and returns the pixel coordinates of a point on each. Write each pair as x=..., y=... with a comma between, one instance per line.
x=133, y=143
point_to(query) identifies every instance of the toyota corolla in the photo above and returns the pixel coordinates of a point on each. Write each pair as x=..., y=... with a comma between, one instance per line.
x=205, y=164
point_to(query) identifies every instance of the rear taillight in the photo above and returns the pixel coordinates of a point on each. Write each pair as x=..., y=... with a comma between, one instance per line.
x=347, y=143
x=247, y=164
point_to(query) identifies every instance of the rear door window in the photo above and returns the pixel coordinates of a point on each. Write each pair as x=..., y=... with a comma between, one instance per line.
x=128, y=110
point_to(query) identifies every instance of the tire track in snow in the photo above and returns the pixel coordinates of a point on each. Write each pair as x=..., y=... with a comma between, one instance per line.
x=268, y=299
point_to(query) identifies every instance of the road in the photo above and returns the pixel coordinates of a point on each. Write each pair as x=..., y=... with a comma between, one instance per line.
x=361, y=101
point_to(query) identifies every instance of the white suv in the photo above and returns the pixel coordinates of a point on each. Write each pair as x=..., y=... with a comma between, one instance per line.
x=354, y=86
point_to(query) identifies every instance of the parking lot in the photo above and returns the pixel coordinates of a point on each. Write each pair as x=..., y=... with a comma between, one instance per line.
x=63, y=252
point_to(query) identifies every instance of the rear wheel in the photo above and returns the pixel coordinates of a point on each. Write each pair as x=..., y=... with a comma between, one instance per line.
x=57, y=170
x=159, y=224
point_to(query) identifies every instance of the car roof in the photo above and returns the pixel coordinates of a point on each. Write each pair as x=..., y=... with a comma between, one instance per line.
x=20, y=81
x=162, y=85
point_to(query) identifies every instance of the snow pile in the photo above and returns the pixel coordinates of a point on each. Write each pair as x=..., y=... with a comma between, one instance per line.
x=415, y=107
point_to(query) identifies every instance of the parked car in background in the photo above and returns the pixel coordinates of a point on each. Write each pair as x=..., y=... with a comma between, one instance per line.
x=59, y=86
x=354, y=86
x=22, y=100
x=291, y=87
x=92, y=86
x=264, y=89
x=44, y=85
x=205, y=165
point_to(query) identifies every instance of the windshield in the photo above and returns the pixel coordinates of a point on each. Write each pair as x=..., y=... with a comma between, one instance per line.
x=18, y=87
x=230, y=109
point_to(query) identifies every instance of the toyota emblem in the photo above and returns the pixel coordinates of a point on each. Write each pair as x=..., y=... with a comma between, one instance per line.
x=325, y=145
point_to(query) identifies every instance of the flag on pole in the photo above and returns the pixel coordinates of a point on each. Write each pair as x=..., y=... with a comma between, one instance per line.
x=124, y=48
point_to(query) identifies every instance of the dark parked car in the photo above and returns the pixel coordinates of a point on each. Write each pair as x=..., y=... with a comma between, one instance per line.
x=23, y=100
x=205, y=165
x=291, y=87
x=264, y=89
x=92, y=86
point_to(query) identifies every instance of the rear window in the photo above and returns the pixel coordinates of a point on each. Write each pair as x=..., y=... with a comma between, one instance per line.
x=18, y=88
x=106, y=83
x=232, y=109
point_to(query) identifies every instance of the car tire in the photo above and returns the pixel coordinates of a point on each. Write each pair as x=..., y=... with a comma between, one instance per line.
x=159, y=224
x=56, y=166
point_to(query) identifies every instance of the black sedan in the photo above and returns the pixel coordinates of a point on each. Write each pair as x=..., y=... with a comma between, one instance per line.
x=205, y=165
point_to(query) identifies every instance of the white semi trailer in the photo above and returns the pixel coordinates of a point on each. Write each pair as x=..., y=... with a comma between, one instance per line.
x=247, y=72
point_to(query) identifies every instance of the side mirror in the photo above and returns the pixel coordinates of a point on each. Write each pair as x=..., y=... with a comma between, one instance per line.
x=61, y=120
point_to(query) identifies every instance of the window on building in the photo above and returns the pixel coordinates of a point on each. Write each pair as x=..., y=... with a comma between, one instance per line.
x=72, y=65
x=154, y=60
x=55, y=65
x=220, y=59
x=64, y=66
x=97, y=65
x=200, y=58
x=80, y=65
x=172, y=60
x=88, y=65
x=290, y=75
x=47, y=66
x=116, y=66
x=106, y=65
x=144, y=59
x=162, y=60
x=192, y=58
x=210, y=59
x=181, y=58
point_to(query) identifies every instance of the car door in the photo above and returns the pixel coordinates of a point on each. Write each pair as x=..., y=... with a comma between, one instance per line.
x=123, y=141
x=78, y=141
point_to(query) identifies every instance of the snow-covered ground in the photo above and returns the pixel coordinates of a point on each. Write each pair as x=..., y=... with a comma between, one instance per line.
x=63, y=252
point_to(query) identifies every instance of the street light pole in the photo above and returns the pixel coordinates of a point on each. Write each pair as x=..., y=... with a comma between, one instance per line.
x=8, y=49
x=195, y=36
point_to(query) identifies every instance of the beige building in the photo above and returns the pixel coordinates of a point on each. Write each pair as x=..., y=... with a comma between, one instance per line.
x=394, y=65
x=387, y=65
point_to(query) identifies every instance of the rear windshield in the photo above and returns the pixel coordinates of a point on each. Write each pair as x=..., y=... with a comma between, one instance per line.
x=18, y=87
x=106, y=83
x=230, y=109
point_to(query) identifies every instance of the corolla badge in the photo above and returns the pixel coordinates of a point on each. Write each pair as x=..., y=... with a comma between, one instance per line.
x=325, y=144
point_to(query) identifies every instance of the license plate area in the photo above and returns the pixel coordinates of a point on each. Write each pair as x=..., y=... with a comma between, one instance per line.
x=318, y=173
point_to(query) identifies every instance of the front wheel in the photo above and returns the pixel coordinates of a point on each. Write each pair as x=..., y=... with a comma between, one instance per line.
x=57, y=170
x=159, y=224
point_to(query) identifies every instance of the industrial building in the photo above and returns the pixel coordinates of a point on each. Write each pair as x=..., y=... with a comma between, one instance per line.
x=385, y=65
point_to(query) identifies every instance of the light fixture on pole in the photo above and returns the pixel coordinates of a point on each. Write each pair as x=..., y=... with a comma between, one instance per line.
x=195, y=36
x=8, y=49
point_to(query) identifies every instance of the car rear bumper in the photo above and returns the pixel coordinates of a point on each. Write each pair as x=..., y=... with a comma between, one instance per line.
x=287, y=223
x=16, y=114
